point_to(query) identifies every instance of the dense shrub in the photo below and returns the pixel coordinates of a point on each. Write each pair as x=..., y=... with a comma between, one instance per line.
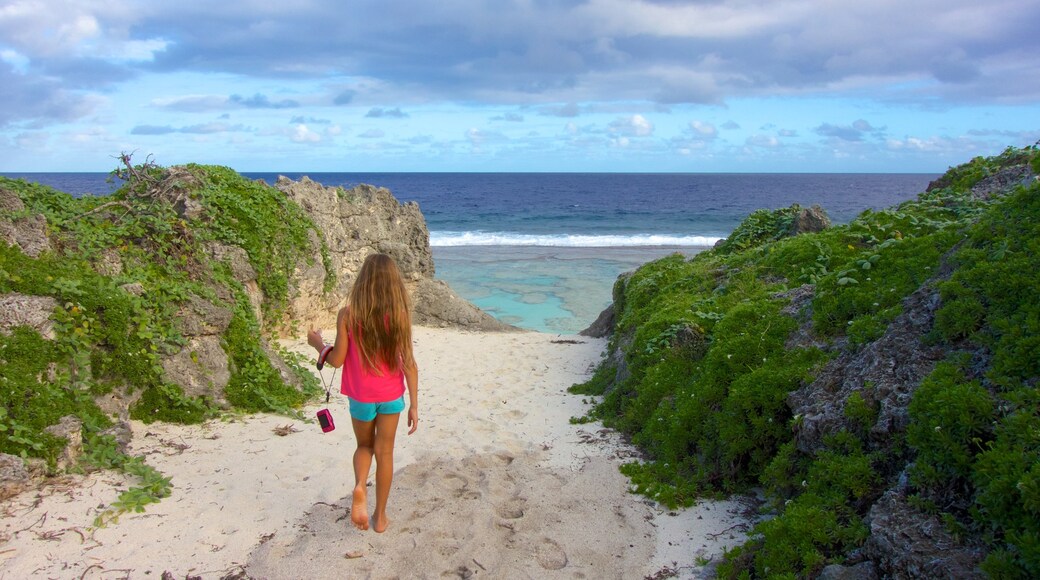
x=713, y=417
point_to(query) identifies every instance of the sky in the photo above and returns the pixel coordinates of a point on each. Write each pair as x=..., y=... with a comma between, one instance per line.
x=517, y=85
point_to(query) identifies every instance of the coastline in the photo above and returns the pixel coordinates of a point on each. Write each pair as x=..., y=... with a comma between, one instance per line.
x=496, y=482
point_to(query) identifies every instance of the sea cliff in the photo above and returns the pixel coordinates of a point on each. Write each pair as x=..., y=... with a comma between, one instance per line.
x=875, y=382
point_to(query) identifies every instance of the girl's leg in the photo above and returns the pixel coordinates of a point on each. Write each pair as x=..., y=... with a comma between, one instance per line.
x=385, y=432
x=365, y=433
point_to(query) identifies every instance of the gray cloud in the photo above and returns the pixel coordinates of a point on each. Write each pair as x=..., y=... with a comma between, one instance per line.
x=38, y=101
x=854, y=132
x=309, y=120
x=381, y=113
x=259, y=101
x=344, y=98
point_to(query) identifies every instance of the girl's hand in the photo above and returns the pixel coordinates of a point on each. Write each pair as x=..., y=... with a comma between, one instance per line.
x=314, y=339
x=413, y=419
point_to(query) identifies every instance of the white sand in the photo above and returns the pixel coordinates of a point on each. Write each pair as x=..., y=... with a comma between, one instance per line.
x=496, y=483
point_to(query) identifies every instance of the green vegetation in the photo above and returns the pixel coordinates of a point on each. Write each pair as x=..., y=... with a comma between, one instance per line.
x=109, y=338
x=704, y=357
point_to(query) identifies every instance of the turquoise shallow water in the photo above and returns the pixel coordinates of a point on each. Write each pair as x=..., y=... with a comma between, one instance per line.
x=548, y=289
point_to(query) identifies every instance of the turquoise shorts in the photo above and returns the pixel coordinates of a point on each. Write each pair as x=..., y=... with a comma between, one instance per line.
x=367, y=411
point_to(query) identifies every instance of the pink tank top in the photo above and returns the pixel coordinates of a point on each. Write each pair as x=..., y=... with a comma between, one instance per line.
x=365, y=387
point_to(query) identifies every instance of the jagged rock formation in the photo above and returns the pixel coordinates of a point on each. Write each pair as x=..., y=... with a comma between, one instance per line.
x=355, y=223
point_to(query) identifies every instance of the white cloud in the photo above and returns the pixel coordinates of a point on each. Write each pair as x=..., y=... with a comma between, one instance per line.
x=301, y=134
x=703, y=131
x=634, y=126
x=764, y=141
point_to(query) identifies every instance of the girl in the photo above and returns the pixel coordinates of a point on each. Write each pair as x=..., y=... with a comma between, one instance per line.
x=374, y=347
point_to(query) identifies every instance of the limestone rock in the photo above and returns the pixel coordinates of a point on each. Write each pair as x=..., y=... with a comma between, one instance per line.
x=14, y=477
x=355, y=223
x=885, y=373
x=200, y=368
x=24, y=310
x=603, y=326
x=28, y=233
x=69, y=428
x=809, y=220
x=861, y=571
x=435, y=304
x=1003, y=181
x=907, y=543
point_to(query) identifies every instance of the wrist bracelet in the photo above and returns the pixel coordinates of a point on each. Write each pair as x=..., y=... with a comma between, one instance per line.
x=321, y=357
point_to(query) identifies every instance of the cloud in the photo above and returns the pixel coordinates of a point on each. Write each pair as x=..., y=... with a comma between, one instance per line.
x=311, y=120
x=703, y=131
x=567, y=111
x=302, y=134
x=191, y=103
x=344, y=98
x=478, y=137
x=854, y=132
x=40, y=101
x=510, y=117
x=634, y=126
x=381, y=113
x=372, y=134
x=763, y=141
x=259, y=101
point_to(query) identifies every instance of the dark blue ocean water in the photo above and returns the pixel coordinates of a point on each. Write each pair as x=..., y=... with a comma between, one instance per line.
x=541, y=250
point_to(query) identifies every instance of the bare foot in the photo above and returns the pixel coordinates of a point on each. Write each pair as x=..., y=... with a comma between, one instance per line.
x=380, y=523
x=359, y=508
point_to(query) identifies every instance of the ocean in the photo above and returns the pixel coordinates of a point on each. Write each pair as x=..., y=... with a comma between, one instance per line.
x=542, y=250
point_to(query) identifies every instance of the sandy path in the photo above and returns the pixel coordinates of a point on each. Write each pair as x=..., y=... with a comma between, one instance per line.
x=496, y=483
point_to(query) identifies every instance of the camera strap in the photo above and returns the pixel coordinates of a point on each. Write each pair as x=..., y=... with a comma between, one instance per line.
x=328, y=385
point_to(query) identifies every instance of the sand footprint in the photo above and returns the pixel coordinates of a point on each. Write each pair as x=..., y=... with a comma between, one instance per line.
x=550, y=555
x=512, y=509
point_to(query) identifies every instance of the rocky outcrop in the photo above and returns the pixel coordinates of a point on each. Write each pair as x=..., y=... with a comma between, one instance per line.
x=201, y=367
x=809, y=220
x=885, y=374
x=905, y=542
x=27, y=232
x=32, y=311
x=603, y=326
x=14, y=477
x=355, y=223
x=70, y=428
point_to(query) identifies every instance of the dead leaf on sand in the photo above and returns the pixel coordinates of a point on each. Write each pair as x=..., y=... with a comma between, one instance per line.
x=353, y=555
x=284, y=430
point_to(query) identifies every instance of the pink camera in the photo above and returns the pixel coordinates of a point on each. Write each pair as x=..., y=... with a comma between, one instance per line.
x=325, y=420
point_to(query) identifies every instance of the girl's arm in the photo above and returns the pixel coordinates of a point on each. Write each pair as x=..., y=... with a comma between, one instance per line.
x=411, y=377
x=339, y=349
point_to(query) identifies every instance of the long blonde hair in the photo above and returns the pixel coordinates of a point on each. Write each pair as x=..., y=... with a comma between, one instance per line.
x=379, y=316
